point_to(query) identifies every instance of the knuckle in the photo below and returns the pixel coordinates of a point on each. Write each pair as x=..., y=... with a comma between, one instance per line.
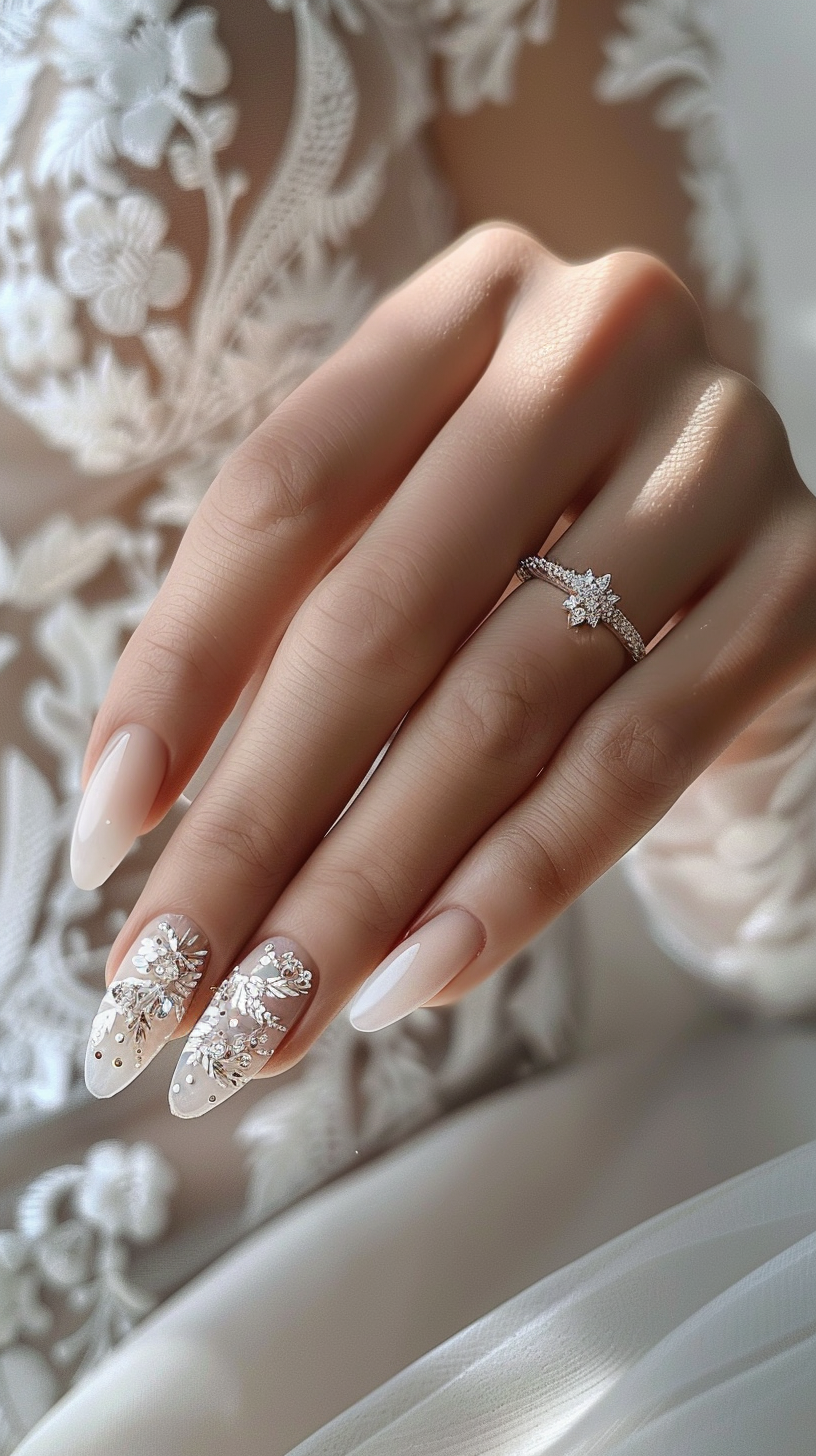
x=504, y=248
x=753, y=420
x=496, y=711
x=371, y=896
x=276, y=476
x=243, y=843
x=642, y=294
x=170, y=656
x=637, y=764
x=361, y=624
x=537, y=855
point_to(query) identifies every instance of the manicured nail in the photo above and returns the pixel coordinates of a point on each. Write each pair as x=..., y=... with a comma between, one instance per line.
x=120, y=794
x=144, y=1002
x=417, y=970
x=243, y=1026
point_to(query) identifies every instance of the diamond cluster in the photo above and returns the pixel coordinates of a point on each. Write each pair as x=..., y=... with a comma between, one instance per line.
x=590, y=602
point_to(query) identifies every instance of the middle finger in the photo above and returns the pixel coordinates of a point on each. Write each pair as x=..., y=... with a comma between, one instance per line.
x=375, y=633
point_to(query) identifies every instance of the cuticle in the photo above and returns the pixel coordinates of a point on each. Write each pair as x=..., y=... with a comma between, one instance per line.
x=434, y=914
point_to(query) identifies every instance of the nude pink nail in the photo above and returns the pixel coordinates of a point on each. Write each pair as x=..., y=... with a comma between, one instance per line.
x=120, y=794
x=418, y=969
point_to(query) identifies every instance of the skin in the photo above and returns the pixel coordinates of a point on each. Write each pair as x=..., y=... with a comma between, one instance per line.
x=498, y=400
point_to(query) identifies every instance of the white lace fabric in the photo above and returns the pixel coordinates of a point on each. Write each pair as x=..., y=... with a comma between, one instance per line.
x=196, y=207
x=197, y=204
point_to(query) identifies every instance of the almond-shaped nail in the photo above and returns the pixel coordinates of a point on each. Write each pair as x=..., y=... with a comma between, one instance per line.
x=121, y=792
x=418, y=969
x=145, y=1002
x=243, y=1026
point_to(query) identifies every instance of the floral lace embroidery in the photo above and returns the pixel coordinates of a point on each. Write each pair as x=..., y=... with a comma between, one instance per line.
x=672, y=46
x=139, y=84
x=752, y=825
x=65, y=1296
x=93, y=356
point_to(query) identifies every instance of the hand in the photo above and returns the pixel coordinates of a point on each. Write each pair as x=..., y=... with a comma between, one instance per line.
x=348, y=560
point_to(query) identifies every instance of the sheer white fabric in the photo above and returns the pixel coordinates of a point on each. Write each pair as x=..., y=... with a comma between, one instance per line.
x=694, y=1333
x=196, y=206
x=639, y=1340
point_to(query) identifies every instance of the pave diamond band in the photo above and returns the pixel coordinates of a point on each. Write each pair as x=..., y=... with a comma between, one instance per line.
x=590, y=600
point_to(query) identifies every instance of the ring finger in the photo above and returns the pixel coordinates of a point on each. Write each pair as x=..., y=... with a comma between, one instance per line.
x=497, y=715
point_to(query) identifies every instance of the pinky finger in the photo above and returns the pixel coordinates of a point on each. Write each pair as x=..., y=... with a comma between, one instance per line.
x=621, y=767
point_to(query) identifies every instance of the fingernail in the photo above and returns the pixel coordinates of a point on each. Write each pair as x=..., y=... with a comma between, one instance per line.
x=243, y=1026
x=417, y=969
x=145, y=1002
x=120, y=794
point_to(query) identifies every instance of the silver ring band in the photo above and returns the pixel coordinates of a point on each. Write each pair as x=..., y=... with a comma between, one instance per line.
x=590, y=602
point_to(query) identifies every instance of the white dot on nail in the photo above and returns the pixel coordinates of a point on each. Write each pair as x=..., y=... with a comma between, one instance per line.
x=176, y=1087
x=189, y=1078
x=119, y=1036
x=233, y=1021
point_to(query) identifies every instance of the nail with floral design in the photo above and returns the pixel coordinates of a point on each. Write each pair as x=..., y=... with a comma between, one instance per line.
x=244, y=1024
x=145, y=1002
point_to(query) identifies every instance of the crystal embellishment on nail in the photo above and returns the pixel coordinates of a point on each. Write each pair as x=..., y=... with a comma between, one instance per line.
x=248, y=1017
x=145, y=1002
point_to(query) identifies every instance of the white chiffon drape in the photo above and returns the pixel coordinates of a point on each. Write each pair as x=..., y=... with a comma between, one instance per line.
x=694, y=1333
x=648, y=1344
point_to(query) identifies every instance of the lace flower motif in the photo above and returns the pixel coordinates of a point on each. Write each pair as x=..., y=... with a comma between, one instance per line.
x=114, y=259
x=124, y=1191
x=63, y=1266
x=142, y=63
x=36, y=325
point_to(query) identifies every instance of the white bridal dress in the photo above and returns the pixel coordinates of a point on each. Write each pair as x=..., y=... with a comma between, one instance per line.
x=196, y=206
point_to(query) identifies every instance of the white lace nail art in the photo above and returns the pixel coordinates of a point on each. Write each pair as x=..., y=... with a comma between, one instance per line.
x=145, y=1002
x=247, y=1019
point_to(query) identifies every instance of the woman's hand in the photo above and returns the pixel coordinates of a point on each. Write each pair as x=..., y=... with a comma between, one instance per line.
x=348, y=560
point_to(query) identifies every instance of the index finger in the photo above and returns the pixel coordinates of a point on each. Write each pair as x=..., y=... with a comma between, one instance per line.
x=282, y=510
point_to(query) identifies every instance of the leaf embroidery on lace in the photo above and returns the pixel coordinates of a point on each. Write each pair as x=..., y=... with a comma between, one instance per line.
x=672, y=46
x=480, y=41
